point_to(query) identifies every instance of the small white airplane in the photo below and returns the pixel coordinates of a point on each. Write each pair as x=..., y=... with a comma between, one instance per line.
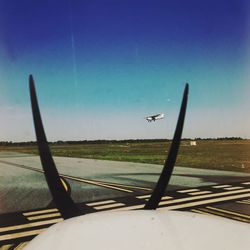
x=154, y=117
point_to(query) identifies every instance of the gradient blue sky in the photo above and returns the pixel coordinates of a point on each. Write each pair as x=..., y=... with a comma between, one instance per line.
x=101, y=66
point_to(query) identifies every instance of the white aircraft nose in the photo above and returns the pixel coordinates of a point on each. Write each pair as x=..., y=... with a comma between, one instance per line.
x=144, y=230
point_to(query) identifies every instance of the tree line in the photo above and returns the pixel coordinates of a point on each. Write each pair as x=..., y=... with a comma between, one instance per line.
x=60, y=142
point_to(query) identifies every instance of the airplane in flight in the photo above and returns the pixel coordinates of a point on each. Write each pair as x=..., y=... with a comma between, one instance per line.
x=143, y=229
x=154, y=117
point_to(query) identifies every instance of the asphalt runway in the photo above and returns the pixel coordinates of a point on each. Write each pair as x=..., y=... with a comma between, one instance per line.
x=27, y=209
x=23, y=186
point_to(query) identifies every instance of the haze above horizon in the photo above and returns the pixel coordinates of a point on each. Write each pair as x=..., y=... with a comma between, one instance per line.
x=100, y=67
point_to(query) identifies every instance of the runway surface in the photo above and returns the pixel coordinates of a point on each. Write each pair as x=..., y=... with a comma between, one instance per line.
x=27, y=209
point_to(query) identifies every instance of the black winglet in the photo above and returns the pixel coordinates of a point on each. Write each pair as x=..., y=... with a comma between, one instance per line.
x=164, y=178
x=63, y=201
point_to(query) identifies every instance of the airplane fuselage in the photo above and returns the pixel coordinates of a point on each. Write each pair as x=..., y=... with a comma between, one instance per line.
x=154, y=117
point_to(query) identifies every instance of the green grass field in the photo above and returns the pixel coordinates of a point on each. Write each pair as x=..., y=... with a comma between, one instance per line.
x=210, y=154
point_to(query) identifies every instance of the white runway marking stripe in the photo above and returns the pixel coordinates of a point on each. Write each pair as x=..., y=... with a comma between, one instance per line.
x=246, y=183
x=109, y=206
x=29, y=225
x=233, y=188
x=21, y=234
x=166, y=198
x=188, y=190
x=100, y=203
x=41, y=212
x=200, y=192
x=221, y=186
x=44, y=216
x=143, y=196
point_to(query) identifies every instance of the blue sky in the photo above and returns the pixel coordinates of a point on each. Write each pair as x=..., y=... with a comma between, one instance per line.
x=101, y=66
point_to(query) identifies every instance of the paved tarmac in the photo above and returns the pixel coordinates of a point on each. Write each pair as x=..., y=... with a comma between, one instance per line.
x=26, y=207
x=23, y=186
